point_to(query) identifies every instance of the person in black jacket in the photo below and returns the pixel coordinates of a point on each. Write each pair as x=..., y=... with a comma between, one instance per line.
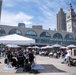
x=20, y=58
x=31, y=57
x=9, y=56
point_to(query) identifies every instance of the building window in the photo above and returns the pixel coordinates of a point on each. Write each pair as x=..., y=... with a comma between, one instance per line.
x=69, y=37
x=57, y=36
x=15, y=31
x=30, y=33
x=68, y=17
x=45, y=34
x=2, y=32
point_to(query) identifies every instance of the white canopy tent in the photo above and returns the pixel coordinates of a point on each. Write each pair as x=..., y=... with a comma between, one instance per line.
x=16, y=39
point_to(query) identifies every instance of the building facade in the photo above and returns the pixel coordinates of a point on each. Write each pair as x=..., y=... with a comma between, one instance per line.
x=61, y=20
x=41, y=36
x=71, y=20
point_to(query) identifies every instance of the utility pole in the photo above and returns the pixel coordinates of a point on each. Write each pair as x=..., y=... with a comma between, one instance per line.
x=0, y=9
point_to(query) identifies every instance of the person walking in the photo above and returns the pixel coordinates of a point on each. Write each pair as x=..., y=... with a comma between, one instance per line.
x=68, y=56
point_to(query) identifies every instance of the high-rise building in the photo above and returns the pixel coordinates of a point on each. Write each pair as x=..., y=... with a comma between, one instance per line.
x=61, y=20
x=0, y=8
x=71, y=20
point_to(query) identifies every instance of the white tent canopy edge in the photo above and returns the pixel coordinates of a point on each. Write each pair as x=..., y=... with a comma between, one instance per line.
x=16, y=39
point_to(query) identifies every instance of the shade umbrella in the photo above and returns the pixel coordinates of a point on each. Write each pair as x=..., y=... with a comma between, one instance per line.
x=71, y=46
x=48, y=46
x=29, y=47
x=12, y=46
x=43, y=47
x=62, y=47
x=16, y=39
x=56, y=45
x=36, y=47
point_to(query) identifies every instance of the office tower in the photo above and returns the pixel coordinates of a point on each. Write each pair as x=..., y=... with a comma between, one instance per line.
x=71, y=20
x=61, y=20
x=0, y=8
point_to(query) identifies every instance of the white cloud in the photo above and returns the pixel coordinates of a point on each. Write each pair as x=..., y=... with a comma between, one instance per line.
x=13, y=19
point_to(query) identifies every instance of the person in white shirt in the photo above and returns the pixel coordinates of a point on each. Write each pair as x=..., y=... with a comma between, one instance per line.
x=69, y=53
x=68, y=56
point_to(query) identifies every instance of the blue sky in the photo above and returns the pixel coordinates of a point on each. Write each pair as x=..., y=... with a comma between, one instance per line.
x=33, y=12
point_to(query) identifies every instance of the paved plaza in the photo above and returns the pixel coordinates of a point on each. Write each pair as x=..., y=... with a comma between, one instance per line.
x=45, y=66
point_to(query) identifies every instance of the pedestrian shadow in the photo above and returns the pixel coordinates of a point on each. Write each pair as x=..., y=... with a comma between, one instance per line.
x=19, y=70
x=33, y=71
x=49, y=68
x=42, y=68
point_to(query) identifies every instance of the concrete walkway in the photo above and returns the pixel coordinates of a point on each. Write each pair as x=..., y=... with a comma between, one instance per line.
x=45, y=65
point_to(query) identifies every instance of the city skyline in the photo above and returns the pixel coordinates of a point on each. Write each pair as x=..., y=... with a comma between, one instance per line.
x=33, y=12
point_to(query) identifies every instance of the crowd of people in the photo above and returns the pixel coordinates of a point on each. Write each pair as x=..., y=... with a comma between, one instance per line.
x=51, y=53
x=65, y=54
x=19, y=58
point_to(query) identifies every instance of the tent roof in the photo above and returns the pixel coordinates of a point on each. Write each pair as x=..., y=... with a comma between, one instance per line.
x=15, y=39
